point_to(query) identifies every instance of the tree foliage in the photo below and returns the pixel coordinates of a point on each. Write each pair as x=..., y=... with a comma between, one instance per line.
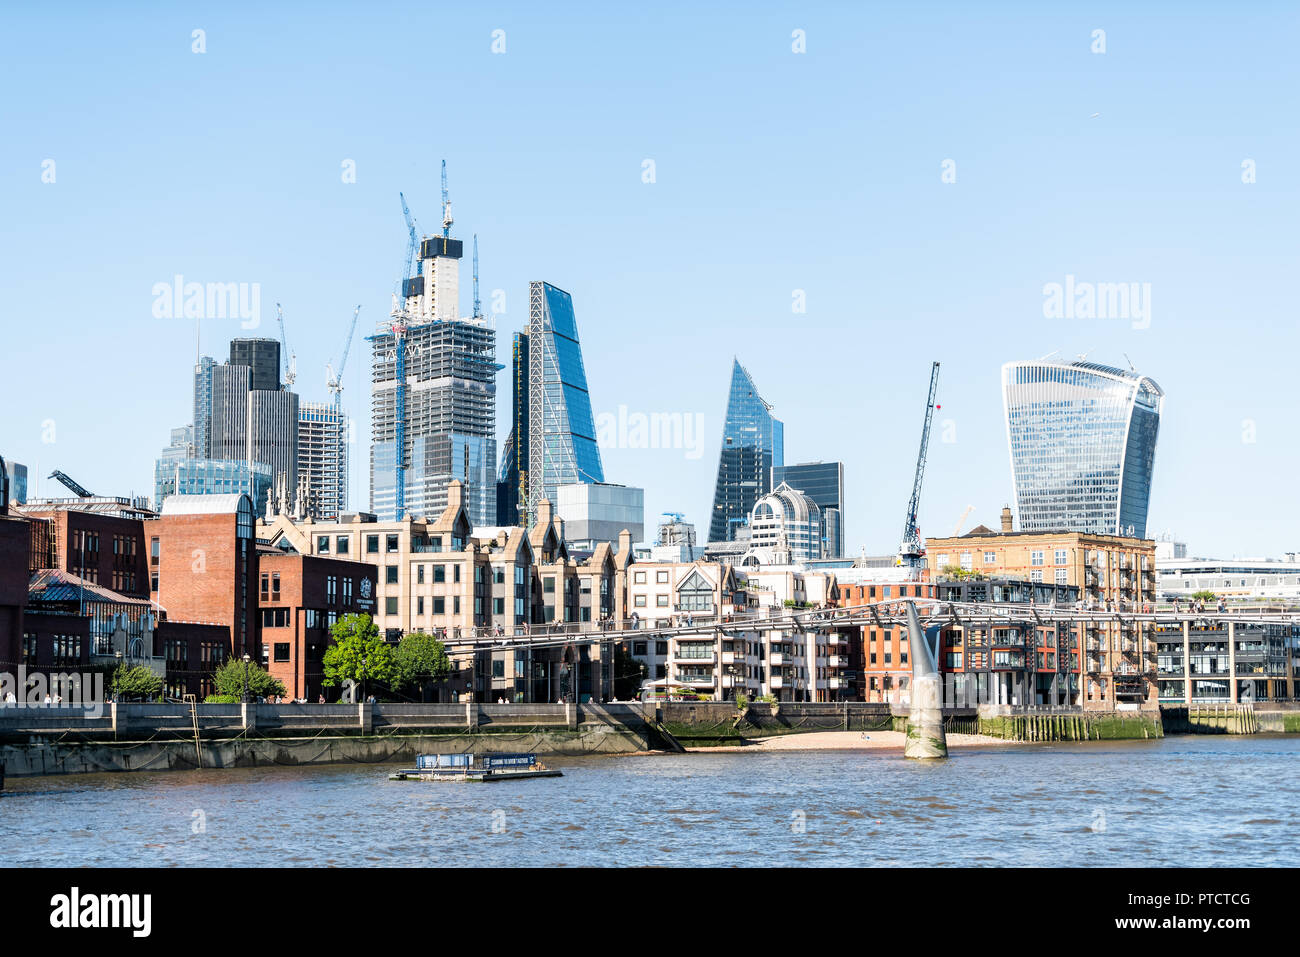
x=135, y=682
x=357, y=653
x=420, y=659
x=228, y=681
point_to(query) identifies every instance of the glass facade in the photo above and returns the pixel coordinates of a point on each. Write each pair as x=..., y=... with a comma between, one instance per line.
x=823, y=482
x=753, y=443
x=562, y=430
x=1082, y=438
x=211, y=477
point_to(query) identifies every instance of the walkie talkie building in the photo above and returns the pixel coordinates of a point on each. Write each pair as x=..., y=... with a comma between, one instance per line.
x=1083, y=443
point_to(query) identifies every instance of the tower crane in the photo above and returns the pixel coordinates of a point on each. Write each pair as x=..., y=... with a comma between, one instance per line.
x=446, y=205
x=911, y=553
x=412, y=243
x=290, y=360
x=478, y=312
x=334, y=380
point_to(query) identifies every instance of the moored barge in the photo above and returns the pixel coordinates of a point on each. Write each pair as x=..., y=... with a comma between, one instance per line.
x=475, y=767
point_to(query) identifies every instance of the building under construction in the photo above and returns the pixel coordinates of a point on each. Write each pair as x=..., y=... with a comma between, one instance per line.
x=323, y=457
x=433, y=411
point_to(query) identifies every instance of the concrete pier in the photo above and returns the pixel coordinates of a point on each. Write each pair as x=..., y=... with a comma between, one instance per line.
x=925, y=736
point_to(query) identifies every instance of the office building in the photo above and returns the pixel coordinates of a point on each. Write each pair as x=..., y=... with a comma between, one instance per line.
x=434, y=389
x=1082, y=438
x=272, y=433
x=16, y=477
x=595, y=512
x=323, y=456
x=753, y=443
x=212, y=477
x=823, y=482
x=262, y=357
x=512, y=481
x=561, y=436
x=785, y=528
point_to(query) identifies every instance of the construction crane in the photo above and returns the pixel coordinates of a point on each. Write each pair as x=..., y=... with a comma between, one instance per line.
x=962, y=521
x=72, y=485
x=911, y=553
x=446, y=205
x=478, y=312
x=334, y=380
x=413, y=241
x=290, y=360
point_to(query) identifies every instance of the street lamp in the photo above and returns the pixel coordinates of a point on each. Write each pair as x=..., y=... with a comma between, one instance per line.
x=246, y=660
x=365, y=662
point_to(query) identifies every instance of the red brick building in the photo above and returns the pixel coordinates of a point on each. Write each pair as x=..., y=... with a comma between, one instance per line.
x=100, y=540
x=300, y=597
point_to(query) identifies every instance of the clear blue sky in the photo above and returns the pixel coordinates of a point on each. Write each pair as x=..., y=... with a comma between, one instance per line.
x=775, y=171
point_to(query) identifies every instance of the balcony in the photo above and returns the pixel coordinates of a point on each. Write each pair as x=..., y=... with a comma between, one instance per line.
x=695, y=658
x=732, y=658
x=778, y=658
x=836, y=661
x=696, y=680
x=776, y=681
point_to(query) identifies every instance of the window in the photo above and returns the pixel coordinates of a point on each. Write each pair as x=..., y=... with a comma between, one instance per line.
x=372, y=544
x=331, y=590
x=439, y=605
x=661, y=601
x=419, y=604
x=548, y=584
x=419, y=574
x=390, y=606
x=638, y=578
x=966, y=561
x=661, y=647
x=455, y=573
x=282, y=651
x=661, y=577
x=275, y=586
x=439, y=573
x=1036, y=575
x=638, y=648
x=390, y=575
x=639, y=601
x=153, y=551
x=990, y=558
x=1035, y=558
x=1062, y=576
x=498, y=574
x=391, y=543
x=941, y=561
x=341, y=545
x=1060, y=556
x=498, y=606
x=322, y=547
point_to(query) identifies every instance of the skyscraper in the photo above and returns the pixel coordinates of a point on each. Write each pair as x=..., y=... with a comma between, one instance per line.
x=262, y=356
x=561, y=430
x=442, y=405
x=323, y=456
x=272, y=434
x=823, y=482
x=512, y=480
x=753, y=442
x=1082, y=438
x=227, y=425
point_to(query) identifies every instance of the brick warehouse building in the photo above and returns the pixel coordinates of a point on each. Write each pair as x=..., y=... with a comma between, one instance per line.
x=98, y=539
x=1109, y=572
x=300, y=597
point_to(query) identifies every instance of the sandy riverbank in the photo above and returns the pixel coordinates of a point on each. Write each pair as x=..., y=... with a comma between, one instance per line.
x=850, y=741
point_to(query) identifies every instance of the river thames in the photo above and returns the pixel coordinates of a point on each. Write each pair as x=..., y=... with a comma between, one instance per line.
x=1177, y=801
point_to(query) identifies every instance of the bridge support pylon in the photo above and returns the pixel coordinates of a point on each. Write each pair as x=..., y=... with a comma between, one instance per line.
x=925, y=736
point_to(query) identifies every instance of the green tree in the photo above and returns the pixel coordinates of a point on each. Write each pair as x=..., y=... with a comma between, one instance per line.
x=419, y=661
x=229, y=682
x=135, y=682
x=357, y=653
x=1204, y=595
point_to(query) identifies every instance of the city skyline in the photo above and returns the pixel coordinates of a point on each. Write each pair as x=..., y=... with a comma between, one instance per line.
x=1111, y=198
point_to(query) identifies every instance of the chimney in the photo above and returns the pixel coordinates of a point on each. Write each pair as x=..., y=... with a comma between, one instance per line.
x=455, y=495
x=625, y=542
x=544, y=512
x=1006, y=520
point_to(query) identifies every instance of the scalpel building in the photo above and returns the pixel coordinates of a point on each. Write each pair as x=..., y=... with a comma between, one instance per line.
x=1083, y=442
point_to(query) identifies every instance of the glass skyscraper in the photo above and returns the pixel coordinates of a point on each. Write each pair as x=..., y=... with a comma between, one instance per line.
x=753, y=441
x=823, y=482
x=561, y=430
x=1082, y=438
